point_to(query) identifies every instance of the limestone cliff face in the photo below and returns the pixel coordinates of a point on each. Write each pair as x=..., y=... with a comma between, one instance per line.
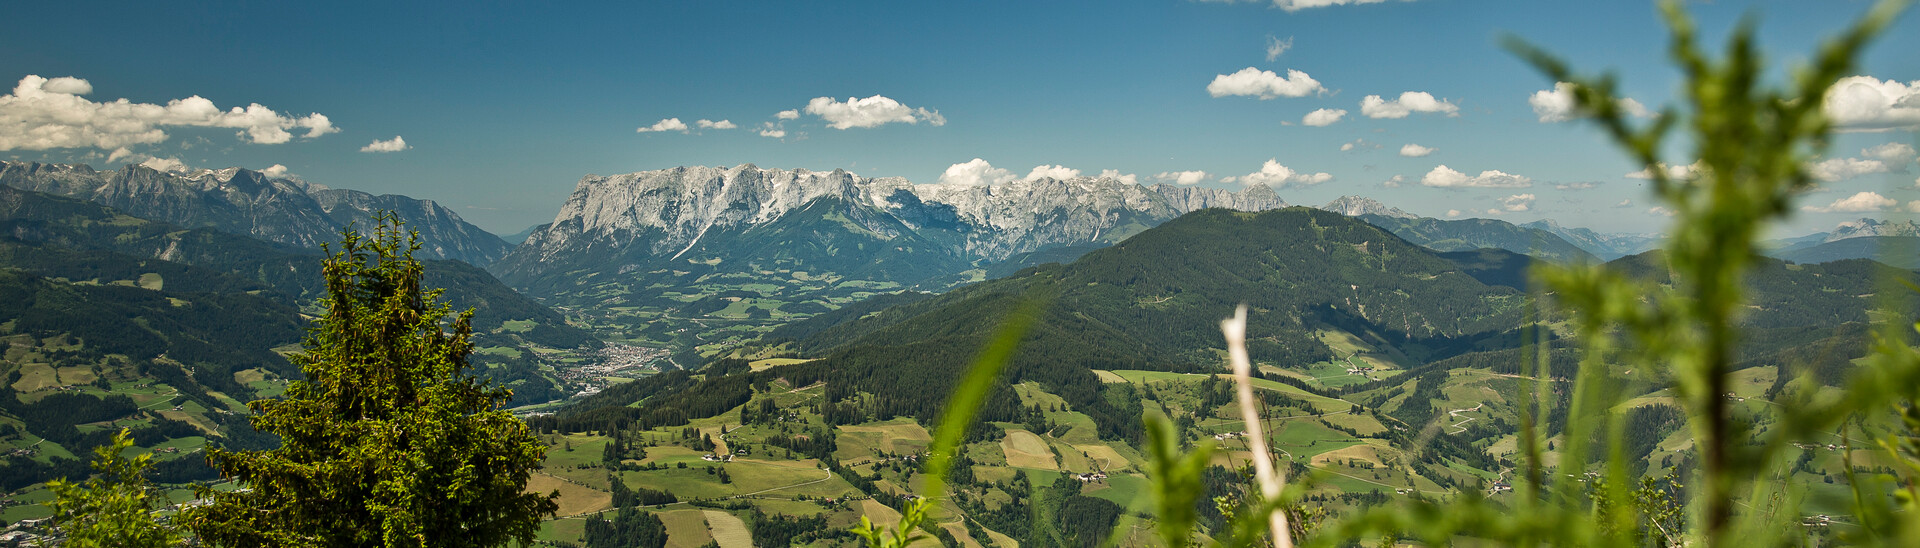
x=639, y=218
x=243, y=201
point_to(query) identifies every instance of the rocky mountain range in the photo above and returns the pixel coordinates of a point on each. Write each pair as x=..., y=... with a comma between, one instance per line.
x=1870, y=227
x=685, y=215
x=247, y=202
x=1355, y=206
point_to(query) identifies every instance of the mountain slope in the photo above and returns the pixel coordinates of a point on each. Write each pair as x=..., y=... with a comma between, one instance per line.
x=1153, y=302
x=67, y=238
x=1900, y=251
x=1470, y=234
x=1604, y=246
x=241, y=201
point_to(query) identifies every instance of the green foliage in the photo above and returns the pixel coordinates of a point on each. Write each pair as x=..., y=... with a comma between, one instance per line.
x=388, y=442
x=117, y=508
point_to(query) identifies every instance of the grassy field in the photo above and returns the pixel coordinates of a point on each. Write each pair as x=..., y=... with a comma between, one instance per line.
x=1024, y=449
x=728, y=530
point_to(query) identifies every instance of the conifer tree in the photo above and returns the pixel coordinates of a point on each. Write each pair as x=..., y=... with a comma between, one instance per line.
x=388, y=441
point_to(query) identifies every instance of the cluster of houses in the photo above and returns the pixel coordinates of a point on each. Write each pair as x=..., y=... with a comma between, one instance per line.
x=1223, y=436
x=28, y=532
x=1091, y=477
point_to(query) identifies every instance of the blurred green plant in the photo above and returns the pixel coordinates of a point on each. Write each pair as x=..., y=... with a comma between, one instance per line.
x=115, y=509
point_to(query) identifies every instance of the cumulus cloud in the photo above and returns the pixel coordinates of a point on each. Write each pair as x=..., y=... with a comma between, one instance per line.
x=1841, y=169
x=665, y=124
x=873, y=111
x=1661, y=211
x=1863, y=202
x=1682, y=173
x=1577, y=185
x=119, y=153
x=1358, y=144
x=788, y=114
x=1517, y=203
x=45, y=113
x=1453, y=213
x=1446, y=177
x=710, y=124
x=1914, y=206
x=1556, y=105
x=1865, y=103
x=1275, y=175
x=1894, y=154
x=1323, y=117
x=1394, y=181
x=1264, y=84
x=1415, y=151
x=396, y=144
x=1115, y=174
x=1624, y=203
x=1276, y=47
x=1056, y=172
x=767, y=129
x=165, y=164
x=1373, y=106
x=975, y=173
x=1182, y=177
x=275, y=170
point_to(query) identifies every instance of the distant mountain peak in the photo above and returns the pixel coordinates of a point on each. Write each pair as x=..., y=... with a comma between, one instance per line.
x=1870, y=227
x=1355, y=206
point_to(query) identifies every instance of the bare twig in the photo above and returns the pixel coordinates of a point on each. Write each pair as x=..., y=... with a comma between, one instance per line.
x=1235, y=329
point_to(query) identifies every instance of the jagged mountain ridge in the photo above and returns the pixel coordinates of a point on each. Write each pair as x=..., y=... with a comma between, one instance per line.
x=1355, y=206
x=643, y=221
x=247, y=202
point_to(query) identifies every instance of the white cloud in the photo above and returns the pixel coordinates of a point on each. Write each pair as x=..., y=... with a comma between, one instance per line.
x=1275, y=175
x=1115, y=174
x=788, y=114
x=1682, y=173
x=1865, y=103
x=1446, y=177
x=1894, y=154
x=44, y=113
x=869, y=112
x=1358, y=144
x=275, y=170
x=1914, y=206
x=1182, y=177
x=119, y=153
x=1056, y=172
x=165, y=164
x=1863, y=202
x=1624, y=203
x=1660, y=210
x=1373, y=106
x=1556, y=105
x=772, y=132
x=1517, y=202
x=710, y=124
x=396, y=144
x=1841, y=169
x=1297, y=5
x=1415, y=151
x=1577, y=185
x=665, y=124
x=1394, y=181
x=1264, y=84
x=1453, y=213
x=975, y=173
x=1323, y=117
x=1276, y=47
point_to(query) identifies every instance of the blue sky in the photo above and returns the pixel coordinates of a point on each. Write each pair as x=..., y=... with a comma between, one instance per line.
x=503, y=106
